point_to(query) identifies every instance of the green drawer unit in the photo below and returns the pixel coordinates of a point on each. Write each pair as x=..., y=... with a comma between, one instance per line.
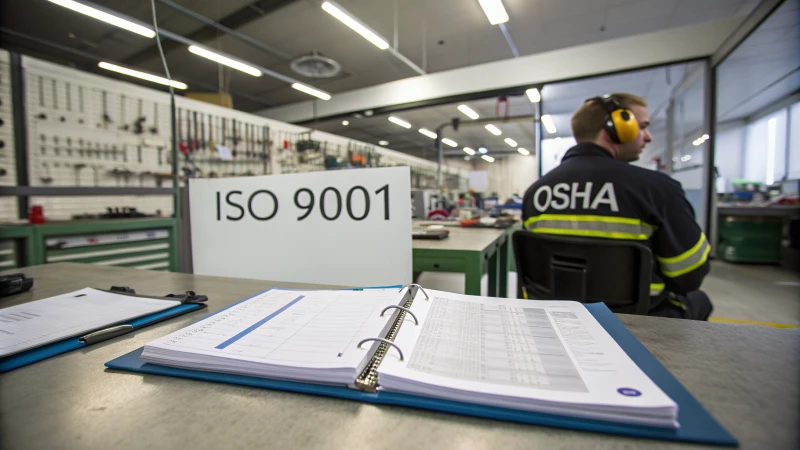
x=146, y=243
x=750, y=239
x=16, y=246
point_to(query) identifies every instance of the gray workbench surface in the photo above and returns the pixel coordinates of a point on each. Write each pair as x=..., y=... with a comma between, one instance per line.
x=471, y=239
x=745, y=375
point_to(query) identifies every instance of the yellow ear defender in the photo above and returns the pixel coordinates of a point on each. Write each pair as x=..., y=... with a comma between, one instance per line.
x=619, y=122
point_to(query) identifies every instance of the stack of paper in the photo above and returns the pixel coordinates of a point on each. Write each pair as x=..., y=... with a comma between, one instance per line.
x=550, y=357
x=292, y=335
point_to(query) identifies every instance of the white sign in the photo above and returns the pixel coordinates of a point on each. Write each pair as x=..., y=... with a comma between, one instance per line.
x=345, y=227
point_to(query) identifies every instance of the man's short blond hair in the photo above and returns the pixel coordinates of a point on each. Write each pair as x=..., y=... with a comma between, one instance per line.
x=589, y=119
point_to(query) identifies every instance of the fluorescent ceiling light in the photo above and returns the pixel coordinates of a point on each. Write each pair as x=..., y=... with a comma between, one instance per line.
x=467, y=158
x=469, y=112
x=533, y=95
x=340, y=13
x=705, y=137
x=493, y=129
x=487, y=158
x=106, y=17
x=547, y=121
x=345, y=122
x=383, y=142
x=313, y=91
x=511, y=142
x=494, y=11
x=483, y=150
x=427, y=132
x=450, y=142
x=225, y=61
x=523, y=151
x=142, y=75
x=398, y=121
x=469, y=151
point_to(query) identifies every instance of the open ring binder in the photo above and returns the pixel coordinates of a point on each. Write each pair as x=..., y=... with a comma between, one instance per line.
x=416, y=321
x=418, y=287
x=385, y=341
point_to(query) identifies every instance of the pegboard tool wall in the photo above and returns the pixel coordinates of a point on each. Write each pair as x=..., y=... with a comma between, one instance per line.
x=90, y=131
x=8, y=167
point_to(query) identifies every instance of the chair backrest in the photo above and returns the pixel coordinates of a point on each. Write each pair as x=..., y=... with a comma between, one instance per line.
x=587, y=270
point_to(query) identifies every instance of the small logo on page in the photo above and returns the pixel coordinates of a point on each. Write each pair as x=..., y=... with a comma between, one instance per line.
x=629, y=392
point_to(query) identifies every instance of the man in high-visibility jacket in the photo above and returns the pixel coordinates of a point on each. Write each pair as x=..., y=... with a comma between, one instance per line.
x=594, y=192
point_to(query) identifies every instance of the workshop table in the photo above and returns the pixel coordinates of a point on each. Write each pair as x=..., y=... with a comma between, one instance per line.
x=745, y=375
x=472, y=252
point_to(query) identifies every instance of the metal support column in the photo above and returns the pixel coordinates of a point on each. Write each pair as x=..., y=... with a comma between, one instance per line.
x=20, y=131
x=537, y=118
x=710, y=175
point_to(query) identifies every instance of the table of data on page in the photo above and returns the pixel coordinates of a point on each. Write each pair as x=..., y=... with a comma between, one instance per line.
x=495, y=344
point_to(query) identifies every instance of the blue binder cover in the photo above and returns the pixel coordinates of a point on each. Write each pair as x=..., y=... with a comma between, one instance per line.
x=696, y=424
x=33, y=355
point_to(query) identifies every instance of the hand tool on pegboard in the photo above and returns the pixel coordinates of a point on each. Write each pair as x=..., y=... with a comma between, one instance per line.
x=203, y=141
x=211, y=133
x=106, y=118
x=181, y=144
x=195, y=142
x=154, y=128
x=122, y=125
x=235, y=141
x=138, y=125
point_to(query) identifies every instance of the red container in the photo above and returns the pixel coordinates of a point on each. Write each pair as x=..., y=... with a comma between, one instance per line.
x=36, y=215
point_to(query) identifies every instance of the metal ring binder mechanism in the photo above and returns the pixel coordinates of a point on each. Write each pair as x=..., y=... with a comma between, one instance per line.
x=415, y=294
x=385, y=341
x=416, y=321
x=368, y=379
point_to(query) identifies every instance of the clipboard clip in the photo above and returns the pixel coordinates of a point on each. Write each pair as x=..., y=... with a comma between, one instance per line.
x=190, y=297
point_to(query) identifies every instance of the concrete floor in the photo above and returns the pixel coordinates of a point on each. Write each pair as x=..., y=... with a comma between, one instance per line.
x=739, y=292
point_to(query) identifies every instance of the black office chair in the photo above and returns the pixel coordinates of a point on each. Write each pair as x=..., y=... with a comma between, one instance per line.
x=586, y=270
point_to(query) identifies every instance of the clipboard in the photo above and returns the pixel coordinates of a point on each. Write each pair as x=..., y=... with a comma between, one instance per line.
x=189, y=302
x=697, y=424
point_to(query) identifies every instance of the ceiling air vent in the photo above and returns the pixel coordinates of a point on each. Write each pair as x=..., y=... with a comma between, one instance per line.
x=316, y=66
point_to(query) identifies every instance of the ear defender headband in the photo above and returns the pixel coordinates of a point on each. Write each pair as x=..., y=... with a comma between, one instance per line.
x=619, y=122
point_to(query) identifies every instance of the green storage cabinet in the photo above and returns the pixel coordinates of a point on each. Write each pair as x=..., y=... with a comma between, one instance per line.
x=150, y=244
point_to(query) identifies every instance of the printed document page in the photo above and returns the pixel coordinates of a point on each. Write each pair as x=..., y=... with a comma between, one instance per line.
x=294, y=329
x=41, y=322
x=515, y=351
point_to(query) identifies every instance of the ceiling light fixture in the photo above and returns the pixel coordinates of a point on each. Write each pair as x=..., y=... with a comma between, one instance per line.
x=547, y=121
x=345, y=122
x=700, y=140
x=450, y=142
x=511, y=142
x=398, y=121
x=493, y=129
x=354, y=24
x=106, y=17
x=483, y=150
x=469, y=112
x=494, y=11
x=225, y=61
x=428, y=133
x=533, y=95
x=142, y=75
x=312, y=91
x=487, y=158
x=383, y=142
x=523, y=151
x=469, y=151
